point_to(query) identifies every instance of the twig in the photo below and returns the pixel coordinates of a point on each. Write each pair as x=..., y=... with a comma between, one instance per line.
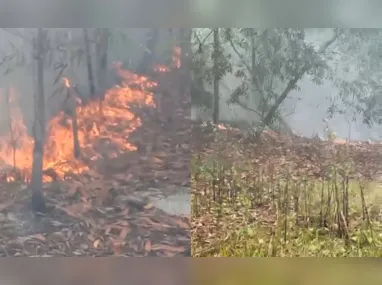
x=13, y=140
x=250, y=70
x=240, y=56
x=14, y=32
x=201, y=43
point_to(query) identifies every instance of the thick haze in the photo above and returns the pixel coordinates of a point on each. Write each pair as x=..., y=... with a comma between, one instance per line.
x=307, y=118
x=309, y=111
x=22, y=78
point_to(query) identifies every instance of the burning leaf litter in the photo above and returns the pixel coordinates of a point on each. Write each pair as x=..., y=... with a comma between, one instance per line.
x=94, y=201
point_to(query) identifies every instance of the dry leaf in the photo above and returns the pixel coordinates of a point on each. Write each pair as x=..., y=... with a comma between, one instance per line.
x=118, y=247
x=39, y=237
x=168, y=248
x=169, y=254
x=177, y=165
x=91, y=237
x=126, y=212
x=91, y=177
x=123, y=177
x=124, y=232
x=148, y=246
x=149, y=206
x=182, y=224
x=97, y=244
x=185, y=146
x=122, y=223
x=74, y=186
x=156, y=160
x=153, y=225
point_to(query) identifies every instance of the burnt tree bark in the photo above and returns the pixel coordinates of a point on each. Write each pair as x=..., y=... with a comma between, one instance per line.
x=13, y=139
x=216, y=53
x=36, y=184
x=146, y=63
x=89, y=63
x=290, y=86
x=102, y=45
x=71, y=110
x=76, y=141
x=186, y=62
x=71, y=105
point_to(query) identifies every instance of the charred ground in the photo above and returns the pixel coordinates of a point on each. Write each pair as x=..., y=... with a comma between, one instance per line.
x=94, y=202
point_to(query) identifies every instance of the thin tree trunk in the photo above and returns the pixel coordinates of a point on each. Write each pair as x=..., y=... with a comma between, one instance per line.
x=76, y=141
x=215, y=115
x=89, y=63
x=13, y=139
x=147, y=61
x=38, y=201
x=290, y=86
x=186, y=63
x=257, y=77
x=72, y=105
x=97, y=35
x=103, y=45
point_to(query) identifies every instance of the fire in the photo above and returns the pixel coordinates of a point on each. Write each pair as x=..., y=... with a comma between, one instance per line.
x=14, y=137
x=66, y=82
x=112, y=126
x=161, y=68
x=176, y=56
x=176, y=61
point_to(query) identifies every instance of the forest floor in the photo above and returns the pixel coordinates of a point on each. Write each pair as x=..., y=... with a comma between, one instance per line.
x=119, y=205
x=284, y=196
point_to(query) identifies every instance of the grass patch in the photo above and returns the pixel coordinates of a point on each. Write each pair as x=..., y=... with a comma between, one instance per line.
x=245, y=208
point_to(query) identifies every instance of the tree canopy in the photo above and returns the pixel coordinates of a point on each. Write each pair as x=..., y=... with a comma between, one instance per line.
x=271, y=62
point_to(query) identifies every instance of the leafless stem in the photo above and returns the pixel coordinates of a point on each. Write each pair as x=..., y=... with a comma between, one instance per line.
x=13, y=140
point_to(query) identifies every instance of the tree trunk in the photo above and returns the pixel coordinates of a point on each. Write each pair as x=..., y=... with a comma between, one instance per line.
x=76, y=141
x=71, y=110
x=97, y=36
x=38, y=201
x=10, y=124
x=257, y=77
x=290, y=86
x=89, y=63
x=186, y=63
x=145, y=67
x=102, y=46
x=72, y=105
x=215, y=115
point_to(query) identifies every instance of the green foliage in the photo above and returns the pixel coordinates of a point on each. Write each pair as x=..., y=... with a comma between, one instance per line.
x=239, y=216
x=356, y=72
x=266, y=61
x=203, y=72
x=284, y=197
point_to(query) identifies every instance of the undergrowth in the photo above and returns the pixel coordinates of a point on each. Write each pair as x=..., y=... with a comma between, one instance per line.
x=241, y=209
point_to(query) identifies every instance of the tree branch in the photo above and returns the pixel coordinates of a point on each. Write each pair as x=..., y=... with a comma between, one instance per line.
x=201, y=43
x=17, y=34
x=238, y=90
x=292, y=84
x=239, y=55
x=254, y=78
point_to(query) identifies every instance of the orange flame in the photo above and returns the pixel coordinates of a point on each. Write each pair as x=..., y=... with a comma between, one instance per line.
x=66, y=82
x=176, y=56
x=113, y=126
